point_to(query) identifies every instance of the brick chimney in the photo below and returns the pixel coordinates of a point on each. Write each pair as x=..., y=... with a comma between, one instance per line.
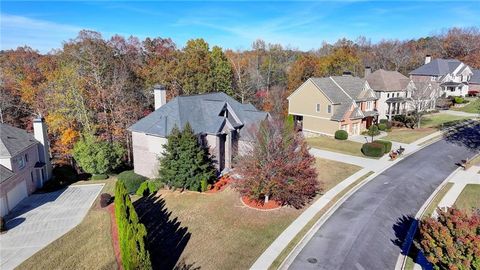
x=160, y=94
x=41, y=135
x=428, y=58
x=368, y=71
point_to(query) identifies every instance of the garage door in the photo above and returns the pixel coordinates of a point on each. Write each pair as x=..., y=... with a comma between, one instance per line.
x=18, y=193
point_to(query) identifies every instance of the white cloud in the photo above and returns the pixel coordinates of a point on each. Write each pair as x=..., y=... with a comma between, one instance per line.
x=38, y=34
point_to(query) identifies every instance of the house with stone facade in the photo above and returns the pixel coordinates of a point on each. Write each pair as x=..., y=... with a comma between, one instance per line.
x=451, y=76
x=24, y=163
x=325, y=105
x=222, y=124
x=397, y=94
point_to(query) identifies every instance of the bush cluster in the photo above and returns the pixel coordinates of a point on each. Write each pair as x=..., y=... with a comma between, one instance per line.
x=131, y=233
x=373, y=149
x=382, y=127
x=386, y=144
x=148, y=187
x=341, y=135
x=131, y=180
x=99, y=177
x=105, y=199
x=373, y=130
x=458, y=100
x=65, y=174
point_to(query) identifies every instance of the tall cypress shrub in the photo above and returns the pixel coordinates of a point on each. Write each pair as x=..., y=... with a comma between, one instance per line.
x=132, y=234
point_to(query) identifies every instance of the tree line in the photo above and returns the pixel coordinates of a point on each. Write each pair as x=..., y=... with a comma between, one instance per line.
x=99, y=86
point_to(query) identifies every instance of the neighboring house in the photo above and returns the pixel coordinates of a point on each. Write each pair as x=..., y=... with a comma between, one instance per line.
x=450, y=75
x=325, y=105
x=474, y=82
x=221, y=123
x=24, y=163
x=398, y=94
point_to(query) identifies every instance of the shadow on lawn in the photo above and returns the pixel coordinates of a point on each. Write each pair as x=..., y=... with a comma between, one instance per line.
x=166, y=238
x=468, y=136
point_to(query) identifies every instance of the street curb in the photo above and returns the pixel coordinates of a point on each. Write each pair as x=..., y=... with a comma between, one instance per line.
x=331, y=210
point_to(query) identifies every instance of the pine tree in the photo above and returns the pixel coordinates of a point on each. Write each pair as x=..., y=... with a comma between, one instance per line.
x=169, y=162
x=186, y=163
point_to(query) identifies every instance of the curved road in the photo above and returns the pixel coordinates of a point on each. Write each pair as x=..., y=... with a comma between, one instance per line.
x=367, y=230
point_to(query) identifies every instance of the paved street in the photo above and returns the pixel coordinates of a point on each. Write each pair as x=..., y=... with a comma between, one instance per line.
x=40, y=219
x=367, y=230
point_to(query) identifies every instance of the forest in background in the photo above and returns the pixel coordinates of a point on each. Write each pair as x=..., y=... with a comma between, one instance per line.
x=100, y=87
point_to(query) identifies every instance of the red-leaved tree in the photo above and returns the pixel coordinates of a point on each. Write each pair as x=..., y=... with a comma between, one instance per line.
x=452, y=241
x=278, y=166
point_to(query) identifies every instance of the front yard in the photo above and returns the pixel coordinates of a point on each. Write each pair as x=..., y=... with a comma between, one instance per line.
x=429, y=124
x=472, y=107
x=331, y=144
x=469, y=199
x=87, y=246
x=216, y=231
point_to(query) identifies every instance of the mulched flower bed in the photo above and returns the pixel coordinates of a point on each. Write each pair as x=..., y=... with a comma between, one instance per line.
x=220, y=185
x=115, y=240
x=270, y=205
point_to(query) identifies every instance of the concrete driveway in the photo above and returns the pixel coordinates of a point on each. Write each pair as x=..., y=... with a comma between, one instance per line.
x=368, y=229
x=42, y=218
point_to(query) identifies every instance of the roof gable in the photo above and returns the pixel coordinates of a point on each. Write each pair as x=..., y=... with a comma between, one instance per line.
x=14, y=140
x=437, y=67
x=385, y=81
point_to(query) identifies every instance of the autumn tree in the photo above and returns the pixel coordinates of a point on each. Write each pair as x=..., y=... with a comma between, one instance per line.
x=451, y=241
x=277, y=166
x=221, y=72
x=304, y=67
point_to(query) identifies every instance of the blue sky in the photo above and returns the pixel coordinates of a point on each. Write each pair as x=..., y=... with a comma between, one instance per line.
x=304, y=25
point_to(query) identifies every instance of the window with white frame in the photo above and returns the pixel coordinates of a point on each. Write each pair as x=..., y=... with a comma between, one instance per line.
x=20, y=162
x=329, y=108
x=318, y=107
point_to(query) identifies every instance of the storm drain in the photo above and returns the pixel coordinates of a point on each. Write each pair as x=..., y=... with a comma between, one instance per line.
x=312, y=260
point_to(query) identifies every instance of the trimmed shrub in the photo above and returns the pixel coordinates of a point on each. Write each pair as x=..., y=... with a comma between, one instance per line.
x=373, y=149
x=373, y=130
x=105, y=199
x=386, y=144
x=148, y=187
x=99, y=177
x=341, y=135
x=132, y=234
x=2, y=224
x=65, y=174
x=458, y=100
x=131, y=180
x=382, y=127
x=383, y=121
x=204, y=185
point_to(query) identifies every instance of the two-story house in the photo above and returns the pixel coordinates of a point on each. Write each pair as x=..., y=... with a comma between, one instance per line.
x=325, y=105
x=398, y=94
x=449, y=75
x=24, y=163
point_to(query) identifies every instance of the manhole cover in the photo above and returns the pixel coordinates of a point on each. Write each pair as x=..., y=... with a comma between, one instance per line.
x=312, y=260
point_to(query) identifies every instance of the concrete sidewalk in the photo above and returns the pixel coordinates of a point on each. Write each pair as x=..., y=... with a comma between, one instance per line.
x=368, y=163
x=459, y=113
x=459, y=180
x=274, y=250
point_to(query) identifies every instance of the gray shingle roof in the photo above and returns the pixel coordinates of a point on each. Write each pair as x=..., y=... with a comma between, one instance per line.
x=386, y=81
x=437, y=67
x=475, y=76
x=343, y=91
x=14, y=140
x=5, y=174
x=203, y=112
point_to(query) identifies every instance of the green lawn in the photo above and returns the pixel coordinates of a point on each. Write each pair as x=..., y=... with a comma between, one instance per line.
x=87, y=246
x=469, y=199
x=222, y=232
x=436, y=200
x=334, y=145
x=472, y=107
x=429, y=124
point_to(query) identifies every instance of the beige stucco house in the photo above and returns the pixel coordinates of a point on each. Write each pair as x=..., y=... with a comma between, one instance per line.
x=325, y=105
x=222, y=124
x=24, y=163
